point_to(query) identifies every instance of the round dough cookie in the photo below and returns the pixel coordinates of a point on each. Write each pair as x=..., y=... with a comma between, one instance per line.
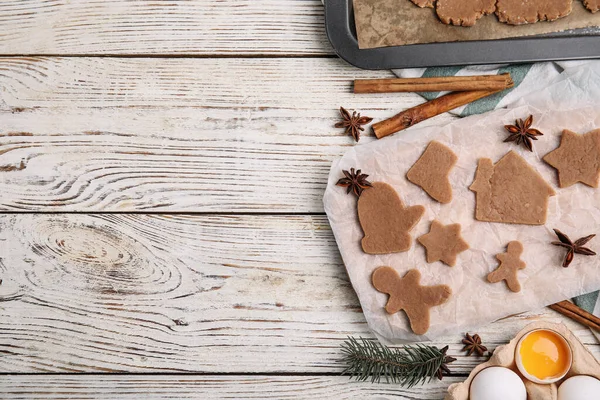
x=463, y=13
x=592, y=5
x=424, y=3
x=519, y=12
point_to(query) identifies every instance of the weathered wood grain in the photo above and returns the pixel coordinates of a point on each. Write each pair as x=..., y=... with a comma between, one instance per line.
x=185, y=293
x=175, y=27
x=38, y=387
x=219, y=135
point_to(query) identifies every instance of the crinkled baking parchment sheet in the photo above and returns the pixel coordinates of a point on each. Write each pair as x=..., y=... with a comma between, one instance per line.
x=571, y=103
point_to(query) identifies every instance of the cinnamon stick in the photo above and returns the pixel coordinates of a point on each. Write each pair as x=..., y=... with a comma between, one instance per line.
x=427, y=110
x=576, y=313
x=434, y=84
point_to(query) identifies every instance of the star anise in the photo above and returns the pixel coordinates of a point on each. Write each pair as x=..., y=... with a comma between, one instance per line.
x=443, y=369
x=473, y=344
x=354, y=181
x=573, y=248
x=353, y=123
x=522, y=132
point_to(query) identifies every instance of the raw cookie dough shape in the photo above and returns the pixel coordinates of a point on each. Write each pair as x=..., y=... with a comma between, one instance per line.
x=463, y=13
x=510, y=264
x=518, y=12
x=443, y=243
x=431, y=171
x=577, y=159
x=592, y=5
x=407, y=294
x=424, y=3
x=510, y=191
x=385, y=221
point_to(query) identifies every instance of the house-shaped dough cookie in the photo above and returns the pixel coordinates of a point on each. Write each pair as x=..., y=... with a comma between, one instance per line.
x=510, y=191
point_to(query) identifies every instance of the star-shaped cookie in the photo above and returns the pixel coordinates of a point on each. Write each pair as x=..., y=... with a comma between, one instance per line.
x=443, y=243
x=577, y=159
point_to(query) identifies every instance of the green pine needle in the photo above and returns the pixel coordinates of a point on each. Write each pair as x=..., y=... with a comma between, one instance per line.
x=407, y=366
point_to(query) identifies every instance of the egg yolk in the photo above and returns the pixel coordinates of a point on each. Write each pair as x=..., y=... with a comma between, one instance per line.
x=544, y=354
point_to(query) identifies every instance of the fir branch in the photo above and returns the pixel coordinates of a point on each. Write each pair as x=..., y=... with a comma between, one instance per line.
x=407, y=366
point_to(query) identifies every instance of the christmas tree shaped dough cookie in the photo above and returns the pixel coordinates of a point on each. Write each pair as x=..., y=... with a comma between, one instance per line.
x=407, y=294
x=443, y=243
x=510, y=264
x=431, y=171
x=577, y=159
x=510, y=191
x=385, y=221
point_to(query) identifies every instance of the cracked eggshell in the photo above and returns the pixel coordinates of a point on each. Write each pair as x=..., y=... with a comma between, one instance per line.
x=584, y=363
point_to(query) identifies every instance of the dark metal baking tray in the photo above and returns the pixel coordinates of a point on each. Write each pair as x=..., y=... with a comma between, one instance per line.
x=339, y=20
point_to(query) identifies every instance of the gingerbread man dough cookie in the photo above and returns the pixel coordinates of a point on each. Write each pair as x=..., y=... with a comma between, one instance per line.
x=443, y=243
x=463, y=13
x=510, y=264
x=431, y=171
x=385, y=221
x=407, y=294
x=577, y=159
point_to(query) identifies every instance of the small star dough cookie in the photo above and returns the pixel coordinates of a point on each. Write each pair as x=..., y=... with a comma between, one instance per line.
x=510, y=191
x=443, y=243
x=592, y=5
x=431, y=171
x=518, y=12
x=407, y=294
x=385, y=221
x=510, y=264
x=424, y=3
x=577, y=159
x=463, y=13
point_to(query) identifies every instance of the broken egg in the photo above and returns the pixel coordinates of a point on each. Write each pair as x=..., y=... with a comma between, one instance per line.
x=543, y=356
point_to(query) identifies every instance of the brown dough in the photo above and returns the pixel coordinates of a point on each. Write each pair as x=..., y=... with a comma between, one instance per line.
x=431, y=171
x=385, y=221
x=424, y=3
x=463, y=13
x=592, y=5
x=510, y=191
x=407, y=294
x=518, y=12
x=577, y=159
x=443, y=243
x=510, y=264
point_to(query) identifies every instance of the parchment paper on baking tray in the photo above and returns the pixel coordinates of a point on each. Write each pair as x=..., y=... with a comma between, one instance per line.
x=382, y=23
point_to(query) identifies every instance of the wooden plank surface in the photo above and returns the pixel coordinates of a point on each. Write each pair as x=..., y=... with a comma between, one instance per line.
x=38, y=387
x=185, y=293
x=174, y=27
x=218, y=135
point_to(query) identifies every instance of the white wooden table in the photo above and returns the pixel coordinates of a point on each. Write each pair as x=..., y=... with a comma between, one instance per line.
x=161, y=230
